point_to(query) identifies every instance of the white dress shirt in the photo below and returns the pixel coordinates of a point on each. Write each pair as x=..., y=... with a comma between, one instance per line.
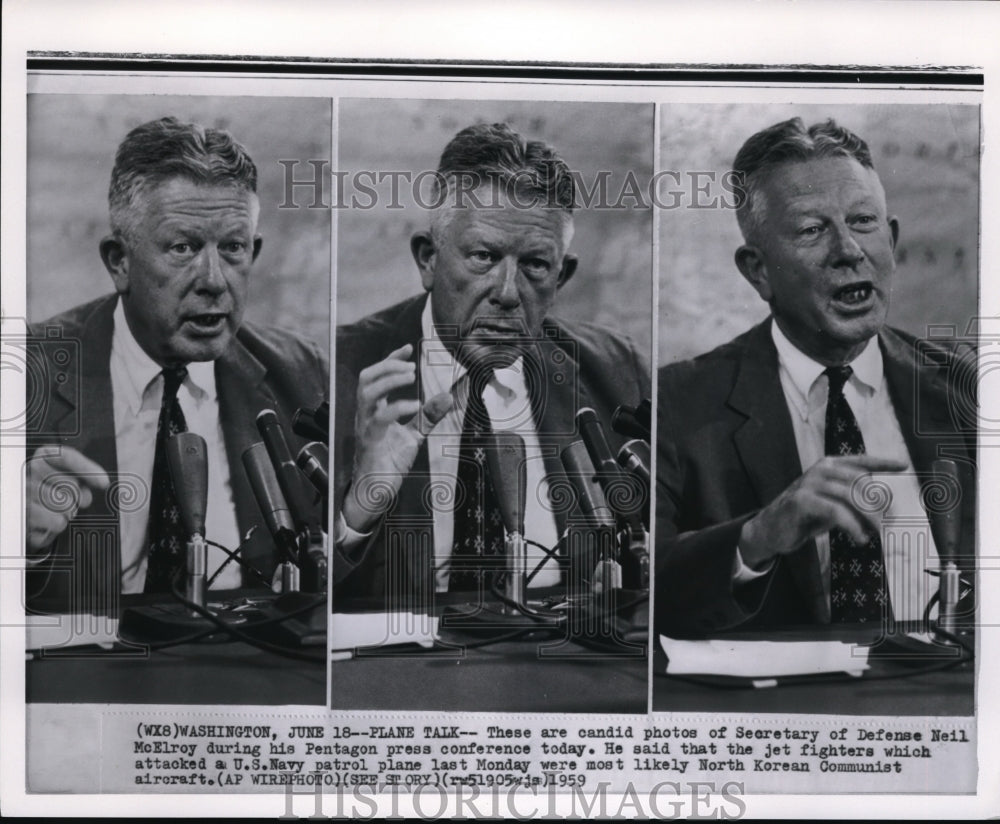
x=137, y=391
x=509, y=406
x=907, y=544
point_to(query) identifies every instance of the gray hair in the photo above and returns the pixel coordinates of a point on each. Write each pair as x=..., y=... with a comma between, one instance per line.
x=787, y=142
x=530, y=173
x=167, y=148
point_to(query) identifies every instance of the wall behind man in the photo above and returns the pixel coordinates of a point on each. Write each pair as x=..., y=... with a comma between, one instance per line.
x=72, y=141
x=927, y=157
x=613, y=283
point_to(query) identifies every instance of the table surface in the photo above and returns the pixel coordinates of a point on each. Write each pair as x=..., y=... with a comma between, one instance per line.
x=890, y=687
x=539, y=673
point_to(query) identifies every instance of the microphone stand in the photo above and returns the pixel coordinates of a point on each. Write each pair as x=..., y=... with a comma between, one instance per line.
x=196, y=570
x=946, y=527
x=515, y=584
x=949, y=583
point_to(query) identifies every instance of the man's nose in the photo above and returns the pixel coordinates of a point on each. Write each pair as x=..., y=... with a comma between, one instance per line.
x=210, y=276
x=845, y=251
x=505, y=291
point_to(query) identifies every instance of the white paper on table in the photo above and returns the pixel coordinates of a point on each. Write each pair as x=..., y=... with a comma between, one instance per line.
x=349, y=630
x=762, y=659
x=63, y=631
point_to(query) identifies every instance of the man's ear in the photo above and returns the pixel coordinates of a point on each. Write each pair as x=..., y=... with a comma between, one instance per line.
x=258, y=242
x=423, y=251
x=115, y=257
x=751, y=264
x=894, y=230
x=567, y=271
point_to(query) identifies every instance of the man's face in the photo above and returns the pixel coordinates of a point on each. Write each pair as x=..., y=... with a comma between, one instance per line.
x=183, y=271
x=493, y=274
x=823, y=257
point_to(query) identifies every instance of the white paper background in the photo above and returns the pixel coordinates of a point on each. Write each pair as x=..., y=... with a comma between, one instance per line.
x=898, y=34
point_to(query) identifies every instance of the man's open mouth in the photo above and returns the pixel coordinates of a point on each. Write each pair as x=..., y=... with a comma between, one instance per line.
x=208, y=322
x=854, y=294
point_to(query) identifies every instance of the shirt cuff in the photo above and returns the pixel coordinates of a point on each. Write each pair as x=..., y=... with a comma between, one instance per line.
x=31, y=561
x=345, y=537
x=742, y=574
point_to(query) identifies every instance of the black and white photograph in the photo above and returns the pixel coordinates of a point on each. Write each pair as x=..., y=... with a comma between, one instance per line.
x=816, y=443
x=493, y=351
x=538, y=410
x=179, y=328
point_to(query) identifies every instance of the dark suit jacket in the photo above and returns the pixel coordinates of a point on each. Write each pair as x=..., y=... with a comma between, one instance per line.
x=578, y=365
x=726, y=448
x=263, y=368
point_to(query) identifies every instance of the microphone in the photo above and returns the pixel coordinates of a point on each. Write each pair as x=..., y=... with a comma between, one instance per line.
x=267, y=491
x=313, y=424
x=946, y=527
x=608, y=472
x=600, y=539
x=507, y=462
x=313, y=459
x=289, y=478
x=634, y=422
x=634, y=457
x=597, y=446
x=187, y=461
x=580, y=471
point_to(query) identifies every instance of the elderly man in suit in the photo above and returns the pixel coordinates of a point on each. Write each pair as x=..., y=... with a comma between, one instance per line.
x=766, y=444
x=167, y=352
x=479, y=352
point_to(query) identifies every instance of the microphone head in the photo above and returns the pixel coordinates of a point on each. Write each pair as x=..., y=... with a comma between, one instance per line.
x=583, y=476
x=270, y=430
x=267, y=490
x=633, y=422
x=266, y=417
x=313, y=424
x=313, y=459
x=593, y=436
x=946, y=523
x=505, y=457
x=634, y=457
x=304, y=425
x=187, y=460
x=293, y=487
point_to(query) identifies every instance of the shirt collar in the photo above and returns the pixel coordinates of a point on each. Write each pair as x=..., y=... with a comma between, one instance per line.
x=803, y=371
x=440, y=371
x=139, y=370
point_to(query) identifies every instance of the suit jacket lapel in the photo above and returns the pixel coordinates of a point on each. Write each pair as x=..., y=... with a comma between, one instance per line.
x=766, y=446
x=929, y=396
x=89, y=419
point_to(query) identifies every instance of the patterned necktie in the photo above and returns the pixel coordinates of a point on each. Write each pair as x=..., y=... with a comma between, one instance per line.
x=857, y=575
x=165, y=536
x=479, y=536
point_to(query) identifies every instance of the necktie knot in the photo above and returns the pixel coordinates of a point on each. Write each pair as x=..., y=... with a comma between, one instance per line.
x=172, y=380
x=837, y=377
x=477, y=419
